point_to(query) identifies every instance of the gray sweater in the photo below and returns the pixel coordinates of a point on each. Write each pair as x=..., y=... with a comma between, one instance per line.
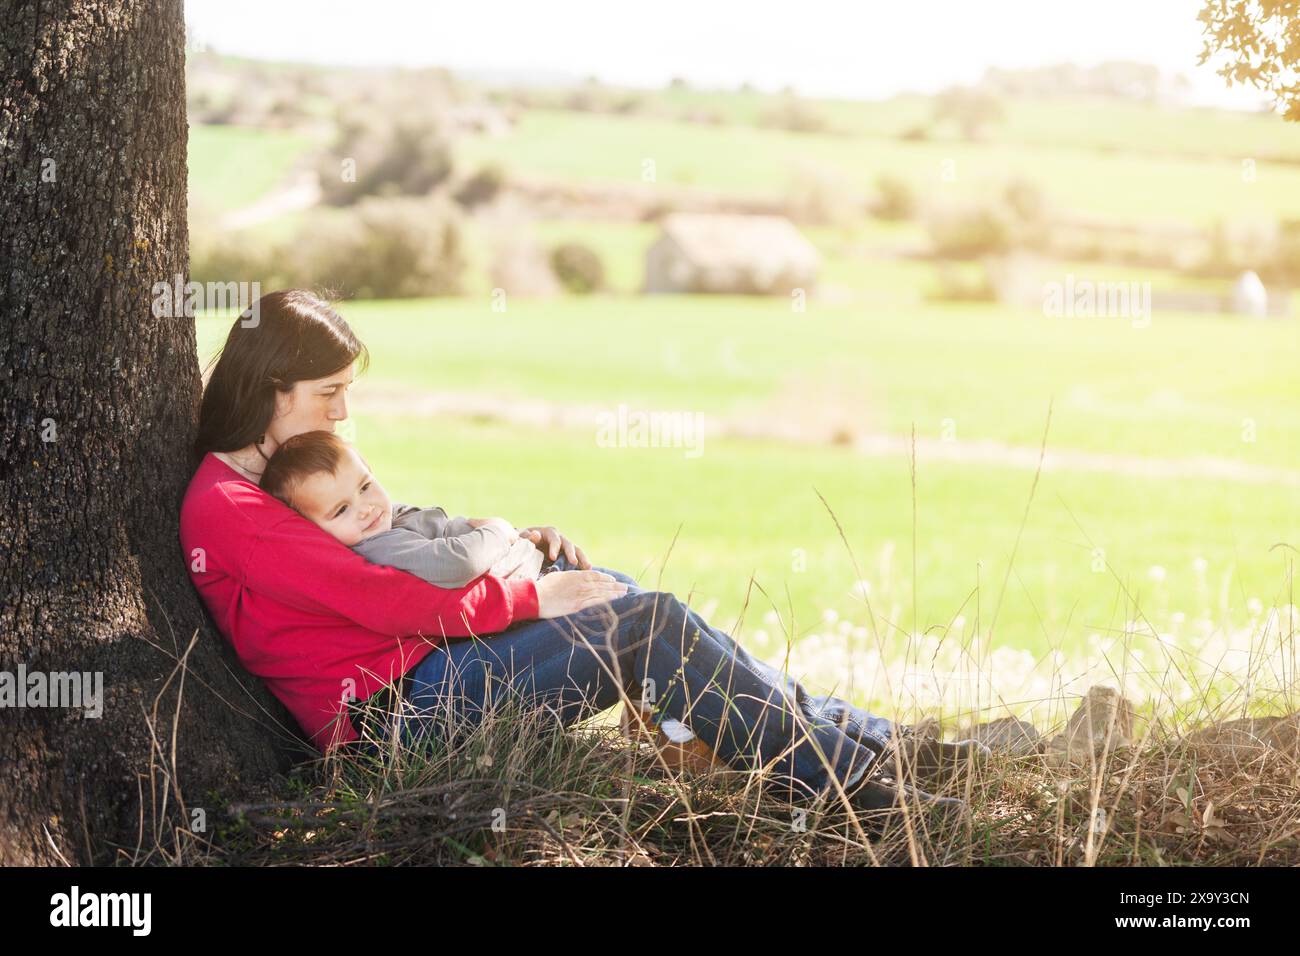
x=447, y=552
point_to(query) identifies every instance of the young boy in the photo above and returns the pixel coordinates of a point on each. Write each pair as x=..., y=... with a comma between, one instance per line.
x=324, y=479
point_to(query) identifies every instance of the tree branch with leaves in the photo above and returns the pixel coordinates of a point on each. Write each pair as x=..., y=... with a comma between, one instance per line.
x=1261, y=42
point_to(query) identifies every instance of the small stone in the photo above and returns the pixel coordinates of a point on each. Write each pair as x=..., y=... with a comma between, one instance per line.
x=1284, y=735
x=1249, y=738
x=1008, y=735
x=1103, y=720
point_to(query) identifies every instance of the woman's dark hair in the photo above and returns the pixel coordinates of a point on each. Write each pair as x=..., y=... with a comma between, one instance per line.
x=284, y=338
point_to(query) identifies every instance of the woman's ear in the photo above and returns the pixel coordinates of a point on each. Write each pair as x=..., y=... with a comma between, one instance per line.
x=283, y=403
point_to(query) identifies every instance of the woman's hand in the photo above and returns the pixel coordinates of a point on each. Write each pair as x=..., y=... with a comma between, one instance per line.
x=565, y=592
x=550, y=542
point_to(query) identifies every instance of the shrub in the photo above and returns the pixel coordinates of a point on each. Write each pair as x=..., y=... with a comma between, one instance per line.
x=405, y=157
x=972, y=232
x=1027, y=206
x=384, y=248
x=971, y=109
x=236, y=257
x=897, y=200
x=960, y=285
x=578, y=268
x=1286, y=263
x=482, y=187
x=521, y=268
x=218, y=255
x=821, y=194
x=795, y=115
x=1026, y=200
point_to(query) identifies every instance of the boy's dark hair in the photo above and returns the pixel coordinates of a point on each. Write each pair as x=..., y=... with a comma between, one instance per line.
x=300, y=457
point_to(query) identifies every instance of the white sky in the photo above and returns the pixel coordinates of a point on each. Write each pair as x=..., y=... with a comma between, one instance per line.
x=853, y=48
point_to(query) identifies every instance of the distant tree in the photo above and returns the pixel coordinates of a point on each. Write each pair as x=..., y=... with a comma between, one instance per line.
x=1261, y=39
x=896, y=198
x=482, y=187
x=377, y=155
x=794, y=114
x=577, y=267
x=971, y=109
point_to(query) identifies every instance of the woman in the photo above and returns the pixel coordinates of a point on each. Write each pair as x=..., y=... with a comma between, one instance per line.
x=323, y=627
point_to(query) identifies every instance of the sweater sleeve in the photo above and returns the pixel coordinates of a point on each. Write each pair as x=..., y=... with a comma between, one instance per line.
x=445, y=562
x=294, y=562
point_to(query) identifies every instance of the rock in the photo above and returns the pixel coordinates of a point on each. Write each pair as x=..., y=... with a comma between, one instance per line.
x=1284, y=735
x=1249, y=297
x=1104, y=720
x=1008, y=735
x=1249, y=738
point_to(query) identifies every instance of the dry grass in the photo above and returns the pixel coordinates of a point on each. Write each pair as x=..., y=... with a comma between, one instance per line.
x=517, y=789
x=1183, y=780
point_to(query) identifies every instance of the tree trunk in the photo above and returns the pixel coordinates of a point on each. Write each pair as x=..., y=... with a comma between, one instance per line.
x=98, y=405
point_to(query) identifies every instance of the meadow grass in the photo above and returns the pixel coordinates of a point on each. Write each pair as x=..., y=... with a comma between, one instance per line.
x=1120, y=184
x=512, y=786
x=1123, y=161
x=232, y=166
x=1082, y=122
x=1175, y=786
x=1186, y=386
x=752, y=508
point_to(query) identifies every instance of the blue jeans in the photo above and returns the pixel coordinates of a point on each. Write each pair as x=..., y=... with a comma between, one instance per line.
x=651, y=647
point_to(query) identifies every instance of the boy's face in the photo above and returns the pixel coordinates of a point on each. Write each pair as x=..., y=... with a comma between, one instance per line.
x=350, y=505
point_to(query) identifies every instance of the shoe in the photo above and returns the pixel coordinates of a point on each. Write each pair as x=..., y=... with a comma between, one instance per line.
x=932, y=762
x=881, y=803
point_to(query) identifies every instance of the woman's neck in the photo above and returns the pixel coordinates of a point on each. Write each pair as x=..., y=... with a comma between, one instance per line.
x=249, y=461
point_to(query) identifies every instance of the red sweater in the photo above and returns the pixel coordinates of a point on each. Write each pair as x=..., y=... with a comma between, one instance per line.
x=320, y=624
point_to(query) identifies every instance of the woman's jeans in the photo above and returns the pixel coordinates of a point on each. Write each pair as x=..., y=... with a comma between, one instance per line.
x=652, y=648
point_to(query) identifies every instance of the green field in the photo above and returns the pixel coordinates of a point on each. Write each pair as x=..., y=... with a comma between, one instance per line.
x=1130, y=186
x=1180, y=388
x=231, y=166
x=1126, y=161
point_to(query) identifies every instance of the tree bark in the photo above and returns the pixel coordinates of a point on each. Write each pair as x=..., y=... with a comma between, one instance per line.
x=98, y=406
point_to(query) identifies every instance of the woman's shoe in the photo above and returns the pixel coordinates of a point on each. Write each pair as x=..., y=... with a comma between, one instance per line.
x=679, y=747
x=929, y=761
x=882, y=803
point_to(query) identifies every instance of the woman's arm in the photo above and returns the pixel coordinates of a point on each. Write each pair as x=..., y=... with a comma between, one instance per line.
x=298, y=564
